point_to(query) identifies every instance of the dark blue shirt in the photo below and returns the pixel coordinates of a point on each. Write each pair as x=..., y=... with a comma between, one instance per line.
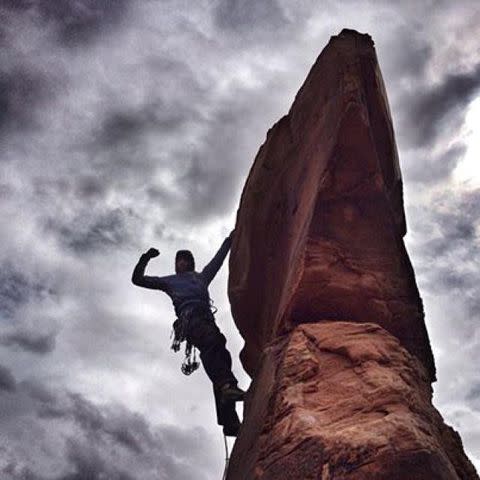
x=184, y=288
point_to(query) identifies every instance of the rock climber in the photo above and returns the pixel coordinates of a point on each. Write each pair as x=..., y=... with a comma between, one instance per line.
x=196, y=325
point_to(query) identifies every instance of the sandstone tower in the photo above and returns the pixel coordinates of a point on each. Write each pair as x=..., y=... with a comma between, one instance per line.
x=324, y=294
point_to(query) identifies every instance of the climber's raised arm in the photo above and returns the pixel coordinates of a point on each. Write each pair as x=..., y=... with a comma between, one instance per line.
x=211, y=269
x=140, y=279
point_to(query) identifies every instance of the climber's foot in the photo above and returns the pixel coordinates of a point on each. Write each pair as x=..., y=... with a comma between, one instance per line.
x=231, y=430
x=230, y=392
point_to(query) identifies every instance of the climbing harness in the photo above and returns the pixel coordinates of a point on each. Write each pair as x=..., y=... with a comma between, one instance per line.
x=227, y=458
x=179, y=334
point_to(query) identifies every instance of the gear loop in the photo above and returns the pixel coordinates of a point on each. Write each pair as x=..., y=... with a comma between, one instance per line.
x=179, y=334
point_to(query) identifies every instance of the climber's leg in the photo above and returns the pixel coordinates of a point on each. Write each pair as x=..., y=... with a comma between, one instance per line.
x=204, y=334
x=226, y=414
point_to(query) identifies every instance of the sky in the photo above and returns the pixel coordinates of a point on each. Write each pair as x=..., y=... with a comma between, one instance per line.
x=128, y=124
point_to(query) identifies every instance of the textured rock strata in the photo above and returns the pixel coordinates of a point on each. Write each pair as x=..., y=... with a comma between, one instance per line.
x=342, y=400
x=324, y=294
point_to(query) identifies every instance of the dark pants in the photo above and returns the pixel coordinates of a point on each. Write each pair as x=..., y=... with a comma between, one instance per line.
x=203, y=333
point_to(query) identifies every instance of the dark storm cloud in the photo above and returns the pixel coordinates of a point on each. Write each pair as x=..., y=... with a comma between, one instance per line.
x=133, y=143
x=89, y=186
x=88, y=464
x=473, y=396
x=7, y=380
x=74, y=21
x=450, y=227
x=426, y=168
x=248, y=15
x=207, y=175
x=18, y=287
x=447, y=250
x=439, y=110
x=97, y=442
x=157, y=117
x=472, y=299
x=132, y=431
x=457, y=217
x=13, y=471
x=21, y=91
x=30, y=341
x=84, y=463
x=405, y=54
x=177, y=100
x=107, y=231
x=38, y=392
x=89, y=231
x=14, y=290
x=26, y=83
x=205, y=188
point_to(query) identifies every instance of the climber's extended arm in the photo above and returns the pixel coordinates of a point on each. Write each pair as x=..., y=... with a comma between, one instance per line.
x=210, y=270
x=140, y=279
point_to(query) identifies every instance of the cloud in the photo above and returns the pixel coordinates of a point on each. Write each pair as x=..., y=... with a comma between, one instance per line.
x=428, y=168
x=15, y=290
x=74, y=21
x=19, y=290
x=87, y=463
x=83, y=440
x=7, y=380
x=18, y=287
x=409, y=64
x=245, y=16
x=206, y=177
x=28, y=81
x=21, y=90
x=447, y=231
x=473, y=397
x=158, y=116
x=437, y=110
x=90, y=231
x=30, y=341
x=446, y=249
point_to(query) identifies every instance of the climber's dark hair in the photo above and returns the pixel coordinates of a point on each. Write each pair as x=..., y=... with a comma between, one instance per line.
x=187, y=254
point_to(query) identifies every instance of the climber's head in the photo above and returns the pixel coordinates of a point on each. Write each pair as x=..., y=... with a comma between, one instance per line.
x=184, y=261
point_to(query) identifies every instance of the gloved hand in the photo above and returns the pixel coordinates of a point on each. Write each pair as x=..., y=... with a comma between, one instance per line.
x=152, y=252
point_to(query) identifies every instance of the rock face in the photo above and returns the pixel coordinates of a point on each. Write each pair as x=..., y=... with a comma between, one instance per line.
x=336, y=400
x=324, y=294
x=321, y=220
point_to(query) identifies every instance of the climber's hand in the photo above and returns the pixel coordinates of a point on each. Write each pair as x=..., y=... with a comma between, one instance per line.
x=152, y=252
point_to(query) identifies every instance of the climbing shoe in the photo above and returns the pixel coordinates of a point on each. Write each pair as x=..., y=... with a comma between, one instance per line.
x=231, y=430
x=230, y=392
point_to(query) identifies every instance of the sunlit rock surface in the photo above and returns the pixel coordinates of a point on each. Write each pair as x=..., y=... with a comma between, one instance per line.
x=324, y=294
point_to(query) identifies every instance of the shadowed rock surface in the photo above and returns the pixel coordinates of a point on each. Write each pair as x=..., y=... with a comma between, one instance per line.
x=324, y=294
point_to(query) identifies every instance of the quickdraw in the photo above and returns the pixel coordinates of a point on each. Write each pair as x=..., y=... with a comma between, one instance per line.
x=179, y=335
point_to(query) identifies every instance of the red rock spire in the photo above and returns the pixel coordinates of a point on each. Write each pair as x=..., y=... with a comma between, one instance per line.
x=324, y=294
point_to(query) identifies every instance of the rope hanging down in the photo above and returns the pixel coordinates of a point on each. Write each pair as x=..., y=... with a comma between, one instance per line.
x=227, y=458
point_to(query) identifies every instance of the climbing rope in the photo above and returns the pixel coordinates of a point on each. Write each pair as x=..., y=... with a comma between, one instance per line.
x=227, y=458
